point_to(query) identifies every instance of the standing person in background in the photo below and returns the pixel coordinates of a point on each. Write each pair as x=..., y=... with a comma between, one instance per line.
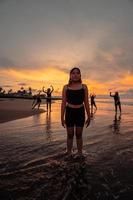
x=48, y=99
x=116, y=101
x=74, y=104
x=92, y=97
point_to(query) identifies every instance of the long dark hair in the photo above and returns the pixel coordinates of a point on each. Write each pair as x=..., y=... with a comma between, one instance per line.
x=70, y=81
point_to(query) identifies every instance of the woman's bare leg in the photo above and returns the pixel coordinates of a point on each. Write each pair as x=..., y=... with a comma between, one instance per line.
x=95, y=105
x=79, y=139
x=91, y=108
x=70, y=135
x=47, y=105
x=34, y=105
x=116, y=108
x=120, y=107
x=39, y=105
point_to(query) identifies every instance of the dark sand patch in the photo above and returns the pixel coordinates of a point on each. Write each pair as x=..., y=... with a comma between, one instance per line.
x=60, y=178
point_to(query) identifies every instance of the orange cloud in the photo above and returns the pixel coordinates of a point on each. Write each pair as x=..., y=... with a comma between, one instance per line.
x=96, y=87
x=52, y=76
x=127, y=80
x=37, y=78
x=101, y=88
x=49, y=74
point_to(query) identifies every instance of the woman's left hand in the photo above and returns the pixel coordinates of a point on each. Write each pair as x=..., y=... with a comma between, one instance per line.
x=63, y=123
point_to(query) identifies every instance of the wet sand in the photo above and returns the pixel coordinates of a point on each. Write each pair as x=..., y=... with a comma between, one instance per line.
x=12, y=109
x=33, y=165
x=60, y=178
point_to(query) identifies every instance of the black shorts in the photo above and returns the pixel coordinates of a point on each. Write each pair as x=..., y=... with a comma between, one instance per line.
x=117, y=103
x=93, y=103
x=48, y=100
x=39, y=101
x=75, y=117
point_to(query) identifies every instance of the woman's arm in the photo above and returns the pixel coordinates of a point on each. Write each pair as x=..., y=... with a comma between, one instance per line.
x=87, y=107
x=111, y=95
x=44, y=90
x=52, y=89
x=63, y=106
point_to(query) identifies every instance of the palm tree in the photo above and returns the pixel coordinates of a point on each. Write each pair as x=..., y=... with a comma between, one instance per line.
x=1, y=89
x=10, y=91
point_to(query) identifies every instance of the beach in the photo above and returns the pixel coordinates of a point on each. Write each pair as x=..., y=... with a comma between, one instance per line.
x=33, y=165
x=12, y=109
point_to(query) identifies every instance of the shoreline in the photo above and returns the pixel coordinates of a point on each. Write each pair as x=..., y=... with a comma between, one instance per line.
x=13, y=109
x=28, y=98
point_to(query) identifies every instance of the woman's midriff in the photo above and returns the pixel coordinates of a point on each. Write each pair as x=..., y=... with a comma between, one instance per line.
x=74, y=106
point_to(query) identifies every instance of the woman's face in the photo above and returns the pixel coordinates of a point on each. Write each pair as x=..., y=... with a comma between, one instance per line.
x=75, y=75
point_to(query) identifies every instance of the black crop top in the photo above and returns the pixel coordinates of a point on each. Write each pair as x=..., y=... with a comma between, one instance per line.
x=75, y=97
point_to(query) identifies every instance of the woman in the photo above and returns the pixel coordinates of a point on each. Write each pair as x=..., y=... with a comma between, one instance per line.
x=93, y=103
x=48, y=93
x=117, y=101
x=74, y=103
x=37, y=101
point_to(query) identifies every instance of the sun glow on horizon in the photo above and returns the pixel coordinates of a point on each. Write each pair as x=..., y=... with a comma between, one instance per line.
x=37, y=78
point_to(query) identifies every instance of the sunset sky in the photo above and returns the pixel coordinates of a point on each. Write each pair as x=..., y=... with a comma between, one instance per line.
x=41, y=40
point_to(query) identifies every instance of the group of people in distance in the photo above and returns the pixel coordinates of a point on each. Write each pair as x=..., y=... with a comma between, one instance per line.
x=37, y=99
x=74, y=104
x=117, y=102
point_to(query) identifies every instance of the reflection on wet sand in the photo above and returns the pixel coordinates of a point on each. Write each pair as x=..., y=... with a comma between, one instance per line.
x=116, y=124
x=48, y=126
x=92, y=115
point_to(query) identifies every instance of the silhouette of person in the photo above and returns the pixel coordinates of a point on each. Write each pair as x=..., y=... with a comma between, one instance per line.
x=116, y=101
x=92, y=97
x=37, y=101
x=48, y=98
x=74, y=103
x=116, y=124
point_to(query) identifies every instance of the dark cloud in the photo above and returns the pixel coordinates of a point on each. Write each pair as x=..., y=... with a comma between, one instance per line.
x=2, y=1
x=112, y=60
x=6, y=62
x=106, y=68
x=120, y=46
x=95, y=70
x=112, y=30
